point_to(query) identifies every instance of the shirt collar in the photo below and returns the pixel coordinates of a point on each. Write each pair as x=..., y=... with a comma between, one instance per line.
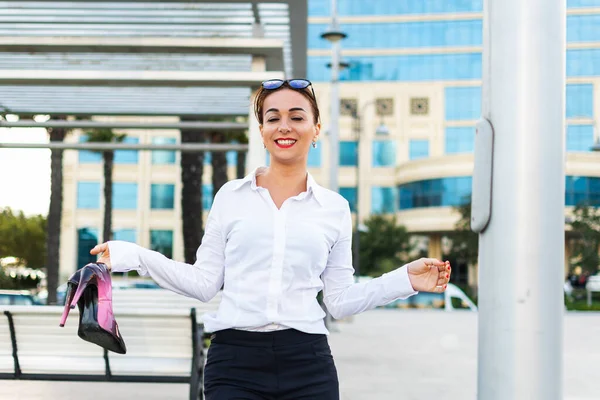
x=311, y=185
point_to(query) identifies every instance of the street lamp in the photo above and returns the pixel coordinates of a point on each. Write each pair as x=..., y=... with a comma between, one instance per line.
x=334, y=35
x=382, y=129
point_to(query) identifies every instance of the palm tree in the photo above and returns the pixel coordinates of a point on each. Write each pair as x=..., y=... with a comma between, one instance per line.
x=54, y=211
x=240, y=170
x=219, y=162
x=105, y=135
x=192, y=169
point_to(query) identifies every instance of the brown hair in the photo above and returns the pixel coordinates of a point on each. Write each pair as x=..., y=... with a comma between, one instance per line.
x=262, y=94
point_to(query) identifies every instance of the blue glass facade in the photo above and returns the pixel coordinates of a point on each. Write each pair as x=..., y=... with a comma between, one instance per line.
x=582, y=190
x=583, y=62
x=580, y=100
x=580, y=137
x=457, y=190
x=162, y=241
x=162, y=196
x=462, y=103
x=321, y=8
x=88, y=195
x=422, y=67
x=127, y=156
x=126, y=235
x=124, y=196
x=163, y=156
x=435, y=192
x=403, y=34
x=459, y=140
x=350, y=194
x=87, y=238
x=348, y=153
x=88, y=157
x=418, y=148
x=383, y=200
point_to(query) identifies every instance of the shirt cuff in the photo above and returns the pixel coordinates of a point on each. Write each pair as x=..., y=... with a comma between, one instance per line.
x=125, y=256
x=397, y=284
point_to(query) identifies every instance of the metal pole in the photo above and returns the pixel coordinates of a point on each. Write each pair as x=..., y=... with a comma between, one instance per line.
x=334, y=138
x=215, y=126
x=127, y=146
x=357, y=129
x=521, y=252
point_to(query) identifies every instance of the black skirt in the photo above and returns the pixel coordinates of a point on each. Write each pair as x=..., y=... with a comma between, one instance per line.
x=280, y=365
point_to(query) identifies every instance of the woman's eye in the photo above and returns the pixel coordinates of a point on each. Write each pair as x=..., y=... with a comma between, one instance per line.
x=297, y=119
x=273, y=119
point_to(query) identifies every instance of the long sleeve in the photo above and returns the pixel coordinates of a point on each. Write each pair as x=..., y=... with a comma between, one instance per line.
x=344, y=297
x=202, y=280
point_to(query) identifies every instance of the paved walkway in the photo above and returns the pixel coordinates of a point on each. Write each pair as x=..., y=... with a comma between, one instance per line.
x=381, y=355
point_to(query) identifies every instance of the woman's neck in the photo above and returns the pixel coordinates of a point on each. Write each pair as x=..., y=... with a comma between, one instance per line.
x=292, y=177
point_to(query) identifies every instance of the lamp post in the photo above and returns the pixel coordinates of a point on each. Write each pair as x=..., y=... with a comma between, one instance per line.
x=334, y=35
x=357, y=127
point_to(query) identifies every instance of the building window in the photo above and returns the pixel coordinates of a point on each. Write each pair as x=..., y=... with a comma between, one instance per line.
x=582, y=190
x=384, y=153
x=314, y=157
x=87, y=238
x=383, y=200
x=442, y=192
x=163, y=156
x=583, y=62
x=462, y=103
x=460, y=140
x=418, y=148
x=583, y=28
x=162, y=196
x=419, y=106
x=86, y=156
x=580, y=137
x=230, y=156
x=322, y=8
x=88, y=195
x=162, y=241
x=207, y=196
x=348, y=154
x=126, y=235
x=350, y=194
x=408, y=68
x=127, y=156
x=580, y=100
x=124, y=196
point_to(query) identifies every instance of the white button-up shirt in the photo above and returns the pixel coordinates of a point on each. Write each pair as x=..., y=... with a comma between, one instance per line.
x=271, y=262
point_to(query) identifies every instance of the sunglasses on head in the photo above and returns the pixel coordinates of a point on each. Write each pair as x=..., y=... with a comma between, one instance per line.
x=297, y=84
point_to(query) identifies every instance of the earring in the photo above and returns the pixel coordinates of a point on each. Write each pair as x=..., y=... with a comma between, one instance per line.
x=264, y=145
x=314, y=144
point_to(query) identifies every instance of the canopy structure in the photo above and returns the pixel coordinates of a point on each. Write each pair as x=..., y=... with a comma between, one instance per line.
x=163, y=58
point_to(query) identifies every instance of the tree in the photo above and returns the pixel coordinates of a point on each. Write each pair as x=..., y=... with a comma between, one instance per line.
x=218, y=161
x=55, y=210
x=106, y=135
x=384, y=245
x=465, y=242
x=585, y=232
x=23, y=237
x=240, y=171
x=192, y=169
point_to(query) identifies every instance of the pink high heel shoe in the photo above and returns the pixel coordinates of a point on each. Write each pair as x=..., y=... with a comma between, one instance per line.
x=93, y=296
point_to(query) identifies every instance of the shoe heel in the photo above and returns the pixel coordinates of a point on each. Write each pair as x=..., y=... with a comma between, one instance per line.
x=87, y=274
x=68, y=298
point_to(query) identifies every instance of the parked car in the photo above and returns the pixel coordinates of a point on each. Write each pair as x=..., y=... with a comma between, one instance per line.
x=451, y=300
x=17, y=298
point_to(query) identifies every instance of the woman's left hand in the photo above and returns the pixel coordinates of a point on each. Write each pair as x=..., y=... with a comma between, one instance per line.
x=429, y=275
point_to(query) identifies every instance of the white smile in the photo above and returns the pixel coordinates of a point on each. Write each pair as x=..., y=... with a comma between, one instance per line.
x=285, y=142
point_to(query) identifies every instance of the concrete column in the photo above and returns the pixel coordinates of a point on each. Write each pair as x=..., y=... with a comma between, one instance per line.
x=521, y=252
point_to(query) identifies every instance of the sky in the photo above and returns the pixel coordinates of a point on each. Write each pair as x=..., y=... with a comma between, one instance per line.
x=25, y=173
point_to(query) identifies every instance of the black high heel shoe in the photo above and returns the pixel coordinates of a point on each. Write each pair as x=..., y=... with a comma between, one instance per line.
x=93, y=296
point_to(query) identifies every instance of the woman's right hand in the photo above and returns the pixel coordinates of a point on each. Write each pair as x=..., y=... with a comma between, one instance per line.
x=104, y=252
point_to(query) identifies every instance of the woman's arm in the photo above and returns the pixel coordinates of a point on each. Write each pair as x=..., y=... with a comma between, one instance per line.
x=202, y=280
x=342, y=296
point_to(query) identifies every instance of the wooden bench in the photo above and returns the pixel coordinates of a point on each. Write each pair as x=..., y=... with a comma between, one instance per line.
x=163, y=346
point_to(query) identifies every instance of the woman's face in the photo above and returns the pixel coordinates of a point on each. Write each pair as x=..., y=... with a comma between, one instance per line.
x=288, y=129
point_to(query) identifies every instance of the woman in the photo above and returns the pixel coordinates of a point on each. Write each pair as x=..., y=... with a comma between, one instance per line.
x=275, y=239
